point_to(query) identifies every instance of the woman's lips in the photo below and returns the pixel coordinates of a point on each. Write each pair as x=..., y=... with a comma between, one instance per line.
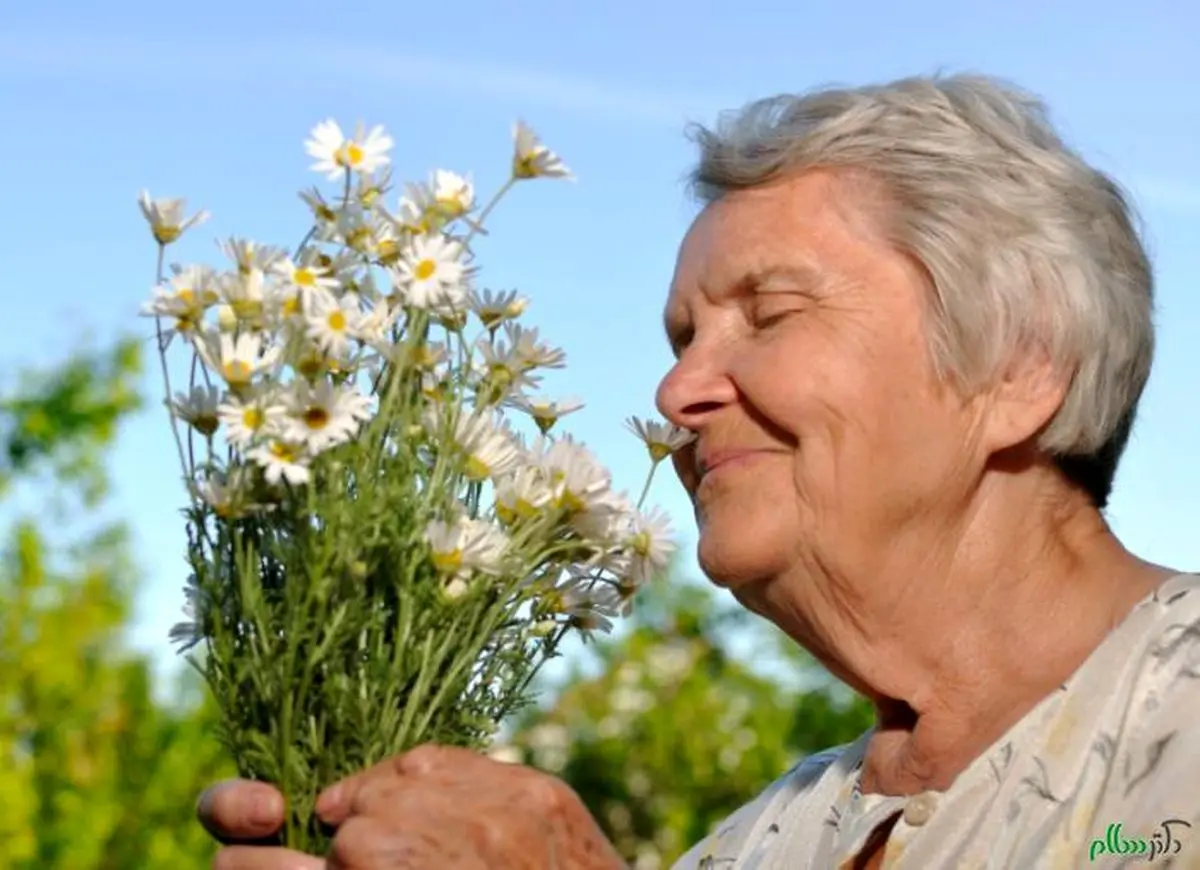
x=726, y=459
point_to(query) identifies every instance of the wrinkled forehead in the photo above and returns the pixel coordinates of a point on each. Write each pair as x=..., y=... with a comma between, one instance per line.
x=750, y=231
x=810, y=221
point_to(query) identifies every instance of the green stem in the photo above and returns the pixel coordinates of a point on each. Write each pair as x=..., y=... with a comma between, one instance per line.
x=646, y=489
x=166, y=375
x=477, y=223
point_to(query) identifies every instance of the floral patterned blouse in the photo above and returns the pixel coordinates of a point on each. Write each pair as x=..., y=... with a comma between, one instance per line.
x=1105, y=772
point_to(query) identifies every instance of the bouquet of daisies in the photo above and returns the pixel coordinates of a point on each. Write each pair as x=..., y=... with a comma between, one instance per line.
x=387, y=536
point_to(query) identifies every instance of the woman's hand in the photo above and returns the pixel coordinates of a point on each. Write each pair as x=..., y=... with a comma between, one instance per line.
x=432, y=808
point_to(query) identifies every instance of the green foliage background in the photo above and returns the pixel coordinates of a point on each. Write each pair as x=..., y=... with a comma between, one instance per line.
x=662, y=730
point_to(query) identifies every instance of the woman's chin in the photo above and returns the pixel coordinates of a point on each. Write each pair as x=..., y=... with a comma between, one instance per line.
x=731, y=560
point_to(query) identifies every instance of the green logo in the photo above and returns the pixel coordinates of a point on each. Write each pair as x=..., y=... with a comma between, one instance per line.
x=1161, y=842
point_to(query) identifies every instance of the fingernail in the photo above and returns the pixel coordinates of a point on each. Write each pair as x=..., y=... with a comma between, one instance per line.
x=329, y=798
x=204, y=803
x=266, y=810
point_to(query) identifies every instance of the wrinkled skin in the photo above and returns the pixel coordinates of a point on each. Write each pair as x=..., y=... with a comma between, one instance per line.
x=432, y=808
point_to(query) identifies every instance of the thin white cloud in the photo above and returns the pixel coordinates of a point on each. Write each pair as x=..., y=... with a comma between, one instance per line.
x=289, y=62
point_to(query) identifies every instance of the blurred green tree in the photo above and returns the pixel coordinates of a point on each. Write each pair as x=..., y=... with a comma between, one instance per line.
x=663, y=731
x=95, y=772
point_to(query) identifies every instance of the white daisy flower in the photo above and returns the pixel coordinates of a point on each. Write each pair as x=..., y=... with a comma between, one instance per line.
x=661, y=439
x=310, y=361
x=531, y=352
x=372, y=186
x=245, y=294
x=325, y=214
x=166, y=219
x=545, y=412
x=195, y=605
x=184, y=300
x=322, y=415
x=604, y=519
x=522, y=494
x=281, y=460
x=335, y=153
x=463, y=545
x=375, y=325
x=367, y=233
x=453, y=194
x=247, y=255
x=198, y=408
x=430, y=273
x=649, y=544
x=490, y=447
x=285, y=304
x=532, y=159
x=236, y=360
x=307, y=275
x=492, y=309
x=577, y=477
x=501, y=372
x=331, y=322
x=247, y=420
x=228, y=494
x=589, y=605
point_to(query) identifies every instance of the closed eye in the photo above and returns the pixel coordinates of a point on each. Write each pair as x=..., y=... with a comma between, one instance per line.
x=766, y=321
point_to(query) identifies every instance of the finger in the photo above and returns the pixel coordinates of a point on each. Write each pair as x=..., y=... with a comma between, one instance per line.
x=240, y=810
x=265, y=858
x=336, y=803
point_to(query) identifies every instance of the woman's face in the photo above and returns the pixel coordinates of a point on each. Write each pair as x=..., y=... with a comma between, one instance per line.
x=803, y=367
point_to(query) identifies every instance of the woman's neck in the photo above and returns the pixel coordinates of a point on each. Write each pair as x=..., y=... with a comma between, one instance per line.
x=991, y=625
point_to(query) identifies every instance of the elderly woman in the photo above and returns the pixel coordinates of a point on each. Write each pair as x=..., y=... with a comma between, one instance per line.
x=911, y=329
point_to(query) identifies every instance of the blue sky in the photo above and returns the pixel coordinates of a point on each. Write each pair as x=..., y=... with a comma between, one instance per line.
x=213, y=101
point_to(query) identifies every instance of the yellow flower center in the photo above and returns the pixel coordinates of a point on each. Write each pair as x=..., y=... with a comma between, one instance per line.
x=490, y=317
x=448, y=563
x=186, y=296
x=453, y=322
x=658, y=451
x=641, y=544
x=570, y=502
x=247, y=309
x=310, y=366
x=316, y=417
x=164, y=235
x=284, y=452
x=358, y=239
x=236, y=371
x=336, y=321
x=422, y=357
x=476, y=469
x=388, y=251
x=206, y=424
x=350, y=155
x=424, y=270
x=451, y=206
x=291, y=306
x=253, y=418
x=526, y=165
x=304, y=278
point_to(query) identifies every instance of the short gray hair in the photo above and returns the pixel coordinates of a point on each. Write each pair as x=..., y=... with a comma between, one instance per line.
x=1025, y=244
